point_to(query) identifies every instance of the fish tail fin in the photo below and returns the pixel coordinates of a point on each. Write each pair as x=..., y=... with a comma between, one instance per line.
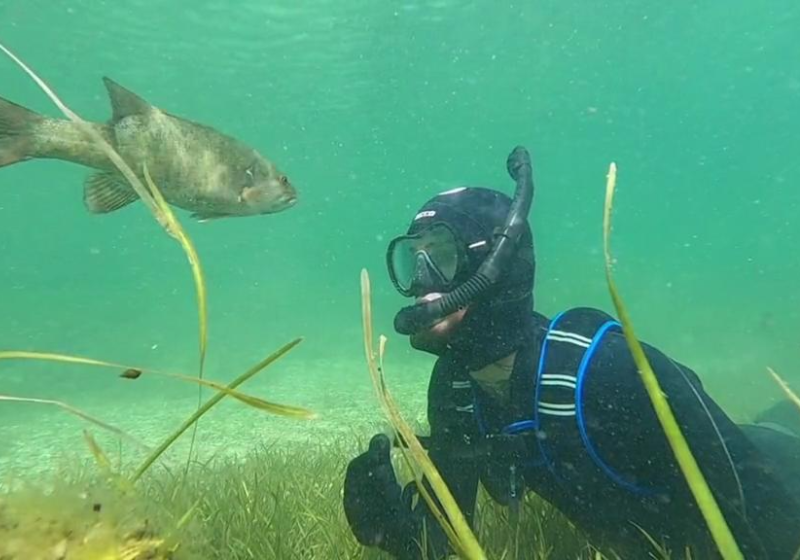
x=17, y=125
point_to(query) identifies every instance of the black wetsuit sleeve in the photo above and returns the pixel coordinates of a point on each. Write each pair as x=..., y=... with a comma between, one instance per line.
x=753, y=501
x=452, y=447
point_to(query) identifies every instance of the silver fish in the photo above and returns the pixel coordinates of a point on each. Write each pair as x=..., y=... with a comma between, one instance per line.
x=196, y=167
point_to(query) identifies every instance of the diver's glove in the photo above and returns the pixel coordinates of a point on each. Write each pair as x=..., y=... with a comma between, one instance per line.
x=374, y=503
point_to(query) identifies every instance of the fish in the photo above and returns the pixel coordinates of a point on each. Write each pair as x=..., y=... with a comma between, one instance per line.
x=197, y=168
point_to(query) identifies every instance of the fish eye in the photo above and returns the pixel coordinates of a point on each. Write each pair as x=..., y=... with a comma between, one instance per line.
x=284, y=180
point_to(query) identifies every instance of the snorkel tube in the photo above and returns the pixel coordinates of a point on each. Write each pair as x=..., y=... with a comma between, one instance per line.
x=415, y=318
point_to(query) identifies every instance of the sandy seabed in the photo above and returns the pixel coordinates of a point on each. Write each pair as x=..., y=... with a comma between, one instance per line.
x=35, y=439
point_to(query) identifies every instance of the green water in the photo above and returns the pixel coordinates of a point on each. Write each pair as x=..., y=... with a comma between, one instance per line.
x=371, y=108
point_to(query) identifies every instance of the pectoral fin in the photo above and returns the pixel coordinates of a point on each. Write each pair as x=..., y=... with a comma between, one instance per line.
x=106, y=192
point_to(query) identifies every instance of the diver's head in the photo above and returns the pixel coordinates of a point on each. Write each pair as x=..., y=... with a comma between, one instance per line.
x=448, y=240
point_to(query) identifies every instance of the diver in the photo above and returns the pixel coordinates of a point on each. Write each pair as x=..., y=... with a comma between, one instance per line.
x=520, y=402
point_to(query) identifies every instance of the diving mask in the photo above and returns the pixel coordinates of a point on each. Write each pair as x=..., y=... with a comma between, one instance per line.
x=427, y=261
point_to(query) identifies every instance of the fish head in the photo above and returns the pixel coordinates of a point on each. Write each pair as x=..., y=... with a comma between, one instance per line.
x=265, y=189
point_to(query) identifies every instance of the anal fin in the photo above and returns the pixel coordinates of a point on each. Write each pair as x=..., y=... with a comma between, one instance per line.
x=207, y=216
x=106, y=192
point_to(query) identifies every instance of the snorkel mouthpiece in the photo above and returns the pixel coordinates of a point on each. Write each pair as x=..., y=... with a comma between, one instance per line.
x=415, y=318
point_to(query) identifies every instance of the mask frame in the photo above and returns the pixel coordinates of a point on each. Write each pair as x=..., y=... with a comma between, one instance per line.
x=435, y=260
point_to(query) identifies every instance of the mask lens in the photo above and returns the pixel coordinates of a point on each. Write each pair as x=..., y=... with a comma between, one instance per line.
x=435, y=249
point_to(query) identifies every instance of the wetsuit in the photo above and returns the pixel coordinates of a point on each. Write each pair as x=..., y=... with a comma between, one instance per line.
x=572, y=422
x=577, y=428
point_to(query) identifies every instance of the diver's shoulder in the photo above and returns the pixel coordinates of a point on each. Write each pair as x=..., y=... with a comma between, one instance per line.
x=581, y=317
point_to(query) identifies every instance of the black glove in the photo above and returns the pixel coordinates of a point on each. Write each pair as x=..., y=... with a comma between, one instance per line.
x=373, y=502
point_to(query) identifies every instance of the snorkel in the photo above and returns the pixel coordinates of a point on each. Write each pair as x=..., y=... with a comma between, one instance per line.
x=423, y=315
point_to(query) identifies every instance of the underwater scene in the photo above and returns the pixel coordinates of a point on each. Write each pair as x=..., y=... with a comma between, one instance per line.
x=402, y=279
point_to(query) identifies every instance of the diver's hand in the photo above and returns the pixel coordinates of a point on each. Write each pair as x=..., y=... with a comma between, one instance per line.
x=373, y=504
x=519, y=163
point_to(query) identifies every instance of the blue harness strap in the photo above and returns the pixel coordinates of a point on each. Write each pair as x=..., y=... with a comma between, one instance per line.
x=564, y=394
x=528, y=425
x=580, y=416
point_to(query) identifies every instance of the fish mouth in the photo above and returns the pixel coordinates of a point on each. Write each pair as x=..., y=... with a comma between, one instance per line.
x=279, y=205
x=286, y=198
x=284, y=203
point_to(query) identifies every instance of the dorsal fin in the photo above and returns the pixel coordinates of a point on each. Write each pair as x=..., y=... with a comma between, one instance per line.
x=124, y=103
